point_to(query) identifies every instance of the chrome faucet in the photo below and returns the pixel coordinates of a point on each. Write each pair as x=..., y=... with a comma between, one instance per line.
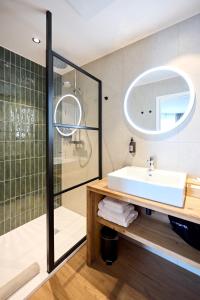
x=150, y=165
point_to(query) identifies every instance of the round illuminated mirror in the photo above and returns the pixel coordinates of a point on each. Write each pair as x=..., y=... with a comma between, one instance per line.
x=68, y=112
x=159, y=100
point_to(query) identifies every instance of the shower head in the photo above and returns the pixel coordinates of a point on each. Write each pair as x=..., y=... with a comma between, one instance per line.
x=67, y=84
x=59, y=64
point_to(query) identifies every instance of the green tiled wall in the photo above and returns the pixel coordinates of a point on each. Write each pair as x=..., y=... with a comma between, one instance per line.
x=22, y=140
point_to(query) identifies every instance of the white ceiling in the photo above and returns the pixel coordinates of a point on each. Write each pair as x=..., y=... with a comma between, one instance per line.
x=84, y=30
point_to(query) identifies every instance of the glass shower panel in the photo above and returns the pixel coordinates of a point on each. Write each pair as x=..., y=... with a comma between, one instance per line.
x=76, y=157
x=75, y=97
x=76, y=160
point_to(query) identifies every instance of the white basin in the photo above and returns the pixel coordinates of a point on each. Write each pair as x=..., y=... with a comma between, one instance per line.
x=163, y=186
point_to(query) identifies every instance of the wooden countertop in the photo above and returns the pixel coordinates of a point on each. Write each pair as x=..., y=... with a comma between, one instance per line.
x=190, y=211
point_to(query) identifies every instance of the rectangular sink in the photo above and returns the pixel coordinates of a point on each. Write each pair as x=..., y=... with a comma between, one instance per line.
x=163, y=186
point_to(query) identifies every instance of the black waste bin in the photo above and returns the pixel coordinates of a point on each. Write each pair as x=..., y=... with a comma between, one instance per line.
x=109, y=245
x=188, y=231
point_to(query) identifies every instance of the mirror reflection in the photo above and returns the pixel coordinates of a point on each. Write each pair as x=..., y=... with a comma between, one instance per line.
x=158, y=100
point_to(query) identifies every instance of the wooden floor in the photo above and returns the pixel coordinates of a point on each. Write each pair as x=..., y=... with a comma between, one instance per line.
x=137, y=275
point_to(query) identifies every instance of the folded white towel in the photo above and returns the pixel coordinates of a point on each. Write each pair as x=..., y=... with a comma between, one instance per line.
x=120, y=216
x=111, y=218
x=115, y=205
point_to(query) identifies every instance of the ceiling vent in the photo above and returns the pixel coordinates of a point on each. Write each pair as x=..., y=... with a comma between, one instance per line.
x=89, y=8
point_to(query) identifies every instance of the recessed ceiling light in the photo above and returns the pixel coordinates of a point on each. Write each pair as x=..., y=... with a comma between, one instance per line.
x=36, y=40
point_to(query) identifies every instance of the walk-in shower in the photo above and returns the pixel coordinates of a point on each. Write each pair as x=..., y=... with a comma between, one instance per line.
x=50, y=148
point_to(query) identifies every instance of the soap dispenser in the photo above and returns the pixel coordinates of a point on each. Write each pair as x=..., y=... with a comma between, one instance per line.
x=132, y=146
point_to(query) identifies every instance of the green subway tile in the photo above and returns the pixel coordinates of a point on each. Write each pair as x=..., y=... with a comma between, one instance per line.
x=28, y=79
x=7, y=225
x=1, y=70
x=2, y=189
x=12, y=188
x=2, y=170
x=13, y=208
x=18, y=220
x=23, y=167
x=2, y=90
x=13, y=74
x=36, y=69
x=2, y=110
x=7, y=210
x=7, y=113
x=28, y=215
x=37, y=132
x=2, y=224
x=22, y=62
x=36, y=165
x=28, y=97
x=13, y=93
x=40, y=181
x=32, y=82
x=40, y=116
x=28, y=184
x=23, y=95
x=40, y=84
x=18, y=168
x=18, y=76
x=2, y=151
x=36, y=149
x=7, y=169
x=7, y=190
x=23, y=202
x=22, y=139
x=13, y=150
x=23, y=149
x=13, y=223
x=32, y=66
x=40, y=70
x=7, y=150
x=18, y=94
x=7, y=73
x=28, y=149
x=44, y=86
x=18, y=149
x=13, y=58
x=28, y=65
x=7, y=91
x=28, y=167
x=32, y=98
x=23, y=218
x=32, y=148
x=17, y=186
x=18, y=60
x=13, y=169
x=37, y=83
x=22, y=185
x=2, y=53
x=7, y=56
x=23, y=77
x=40, y=148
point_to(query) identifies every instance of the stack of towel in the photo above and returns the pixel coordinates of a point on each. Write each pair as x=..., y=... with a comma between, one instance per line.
x=116, y=211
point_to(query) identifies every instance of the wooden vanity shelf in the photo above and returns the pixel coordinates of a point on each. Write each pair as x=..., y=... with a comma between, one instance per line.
x=153, y=231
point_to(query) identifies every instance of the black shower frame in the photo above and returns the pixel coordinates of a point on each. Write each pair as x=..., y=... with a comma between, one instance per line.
x=51, y=263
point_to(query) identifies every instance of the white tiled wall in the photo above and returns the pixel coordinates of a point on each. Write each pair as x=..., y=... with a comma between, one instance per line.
x=177, y=46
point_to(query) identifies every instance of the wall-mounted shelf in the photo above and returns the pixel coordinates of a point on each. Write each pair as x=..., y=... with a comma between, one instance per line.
x=154, y=232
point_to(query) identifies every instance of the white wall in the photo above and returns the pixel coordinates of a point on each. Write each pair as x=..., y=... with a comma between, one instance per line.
x=177, y=46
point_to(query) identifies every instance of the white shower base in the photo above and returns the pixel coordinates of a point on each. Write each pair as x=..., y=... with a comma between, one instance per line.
x=27, y=244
